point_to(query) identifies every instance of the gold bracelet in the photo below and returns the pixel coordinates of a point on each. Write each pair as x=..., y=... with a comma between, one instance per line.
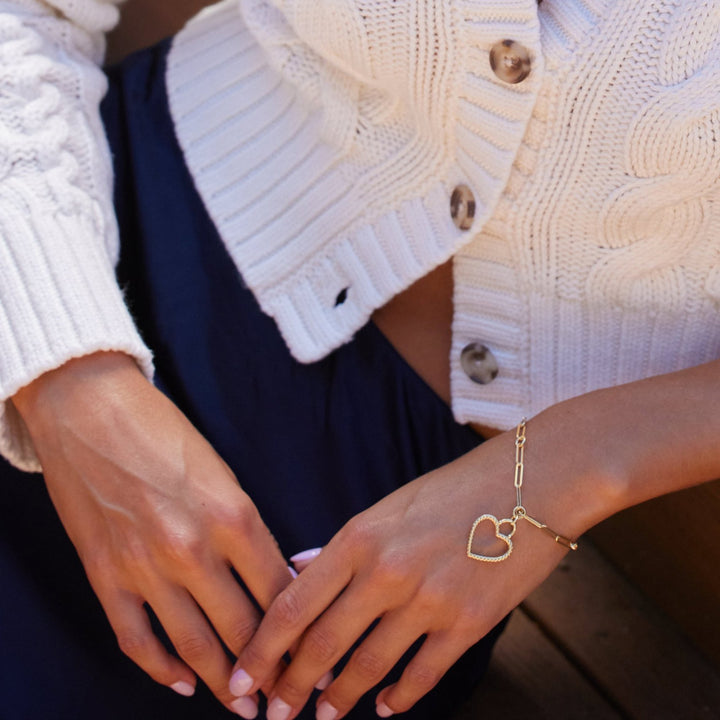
x=519, y=512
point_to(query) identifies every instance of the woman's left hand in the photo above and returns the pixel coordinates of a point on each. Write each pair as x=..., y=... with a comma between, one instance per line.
x=404, y=561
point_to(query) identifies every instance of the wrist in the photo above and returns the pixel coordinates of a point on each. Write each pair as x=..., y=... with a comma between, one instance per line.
x=74, y=382
x=571, y=482
x=602, y=452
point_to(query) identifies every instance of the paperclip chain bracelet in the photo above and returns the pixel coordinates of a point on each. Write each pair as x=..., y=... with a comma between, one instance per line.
x=519, y=511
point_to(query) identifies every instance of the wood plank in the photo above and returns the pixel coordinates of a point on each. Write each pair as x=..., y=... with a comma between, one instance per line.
x=530, y=678
x=621, y=641
x=670, y=548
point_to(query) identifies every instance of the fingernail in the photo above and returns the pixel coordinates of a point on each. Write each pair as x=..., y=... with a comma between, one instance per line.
x=245, y=707
x=278, y=710
x=293, y=572
x=183, y=688
x=383, y=710
x=324, y=681
x=326, y=711
x=240, y=683
x=305, y=556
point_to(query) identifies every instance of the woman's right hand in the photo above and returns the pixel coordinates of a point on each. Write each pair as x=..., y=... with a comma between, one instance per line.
x=156, y=516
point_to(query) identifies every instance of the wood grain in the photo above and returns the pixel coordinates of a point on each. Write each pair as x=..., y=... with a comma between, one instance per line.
x=670, y=548
x=530, y=678
x=622, y=642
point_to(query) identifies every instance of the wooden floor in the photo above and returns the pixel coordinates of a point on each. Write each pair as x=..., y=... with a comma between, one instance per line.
x=587, y=645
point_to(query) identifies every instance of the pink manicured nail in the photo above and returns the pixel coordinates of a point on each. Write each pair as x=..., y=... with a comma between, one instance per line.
x=278, y=710
x=303, y=559
x=245, y=707
x=324, y=682
x=293, y=572
x=240, y=683
x=325, y=711
x=183, y=688
x=383, y=710
x=305, y=556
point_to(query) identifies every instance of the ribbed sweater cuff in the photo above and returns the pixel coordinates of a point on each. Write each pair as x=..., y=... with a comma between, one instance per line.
x=59, y=300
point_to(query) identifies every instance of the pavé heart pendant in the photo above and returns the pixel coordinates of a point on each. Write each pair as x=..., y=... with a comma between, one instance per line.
x=506, y=537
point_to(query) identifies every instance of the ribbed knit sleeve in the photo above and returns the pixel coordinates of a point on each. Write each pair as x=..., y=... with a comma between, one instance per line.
x=58, y=237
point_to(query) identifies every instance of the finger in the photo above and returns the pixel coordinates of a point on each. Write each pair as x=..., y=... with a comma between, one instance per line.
x=435, y=657
x=233, y=616
x=326, y=642
x=254, y=553
x=226, y=605
x=332, y=636
x=239, y=677
x=198, y=645
x=134, y=634
x=288, y=616
x=371, y=662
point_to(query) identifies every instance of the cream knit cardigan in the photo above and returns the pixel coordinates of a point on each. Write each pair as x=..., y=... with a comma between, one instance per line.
x=326, y=137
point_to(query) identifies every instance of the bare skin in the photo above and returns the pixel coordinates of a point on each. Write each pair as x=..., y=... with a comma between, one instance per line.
x=403, y=560
x=418, y=322
x=124, y=469
x=155, y=515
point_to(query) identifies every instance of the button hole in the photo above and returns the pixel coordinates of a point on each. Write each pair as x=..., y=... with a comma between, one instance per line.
x=341, y=297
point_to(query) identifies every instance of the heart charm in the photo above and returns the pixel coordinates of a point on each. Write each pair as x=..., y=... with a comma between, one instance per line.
x=505, y=537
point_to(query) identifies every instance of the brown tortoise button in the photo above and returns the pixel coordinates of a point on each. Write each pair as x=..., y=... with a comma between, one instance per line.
x=510, y=61
x=478, y=363
x=462, y=207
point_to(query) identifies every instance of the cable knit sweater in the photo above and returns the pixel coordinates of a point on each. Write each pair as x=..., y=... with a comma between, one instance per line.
x=327, y=138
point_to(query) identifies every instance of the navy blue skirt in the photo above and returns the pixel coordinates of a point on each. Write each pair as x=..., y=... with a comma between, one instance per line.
x=312, y=445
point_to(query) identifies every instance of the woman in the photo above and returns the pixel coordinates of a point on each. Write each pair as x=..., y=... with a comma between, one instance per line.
x=545, y=179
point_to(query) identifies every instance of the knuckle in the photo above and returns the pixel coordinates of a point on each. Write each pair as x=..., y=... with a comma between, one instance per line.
x=240, y=633
x=470, y=624
x=320, y=645
x=368, y=665
x=432, y=600
x=194, y=647
x=468, y=630
x=291, y=692
x=287, y=609
x=135, y=644
x=391, y=570
x=134, y=555
x=184, y=549
x=421, y=676
x=99, y=567
x=254, y=659
x=94, y=557
x=357, y=533
x=238, y=517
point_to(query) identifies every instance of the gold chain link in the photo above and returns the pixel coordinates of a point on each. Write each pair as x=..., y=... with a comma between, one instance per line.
x=519, y=511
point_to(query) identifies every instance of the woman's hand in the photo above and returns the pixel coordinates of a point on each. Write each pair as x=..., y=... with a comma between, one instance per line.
x=156, y=517
x=404, y=561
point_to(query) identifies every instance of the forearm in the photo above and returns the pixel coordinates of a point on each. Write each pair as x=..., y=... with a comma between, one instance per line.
x=58, y=235
x=596, y=454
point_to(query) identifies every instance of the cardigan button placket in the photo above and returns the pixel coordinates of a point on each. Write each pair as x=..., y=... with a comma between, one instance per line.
x=462, y=207
x=510, y=61
x=478, y=363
